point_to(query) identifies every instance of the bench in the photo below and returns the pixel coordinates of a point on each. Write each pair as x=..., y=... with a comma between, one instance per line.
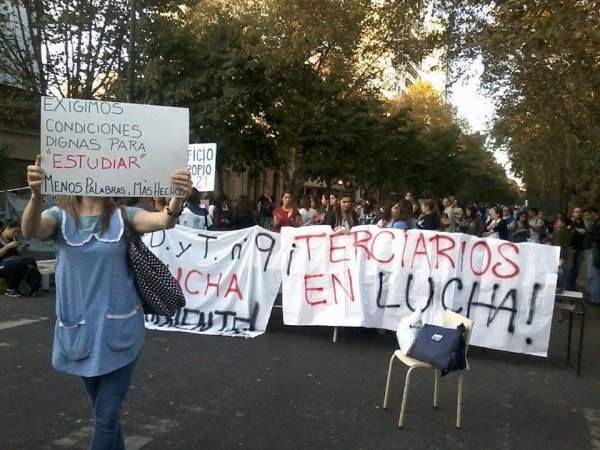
x=572, y=302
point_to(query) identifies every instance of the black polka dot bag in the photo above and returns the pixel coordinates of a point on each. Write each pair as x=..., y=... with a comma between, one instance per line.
x=160, y=292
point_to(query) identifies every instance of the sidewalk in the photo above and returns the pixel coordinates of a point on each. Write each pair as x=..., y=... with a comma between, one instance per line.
x=292, y=388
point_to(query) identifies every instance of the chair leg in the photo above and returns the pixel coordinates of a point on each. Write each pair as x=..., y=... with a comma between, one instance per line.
x=388, y=383
x=580, y=349
x=436, y=381
x=459, y=400
x=335, y=334
x=405, y=397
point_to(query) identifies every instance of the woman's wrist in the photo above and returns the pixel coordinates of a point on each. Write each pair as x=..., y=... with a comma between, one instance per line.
x=173, y=213
x=36, y=197
x=175, y=207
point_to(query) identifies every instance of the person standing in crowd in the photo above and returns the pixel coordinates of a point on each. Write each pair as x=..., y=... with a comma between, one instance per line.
x=194, y=214
x=429, y=220
x=222, y=213
x=482, y=211
x=343, y=218
x=387, y=216
x=285, y=215
x=471, y=223
x=544, y=230
x=576, y=252
x=535, y=225
x=416, y=212
x=511, y=223
x=264, y=207
x=308, y=215
x=444, y=223
x=210, y=198
x=592, y=258
x=325, y=206
x=447, y=210
x=333, y=202
x=99, y=330
x=409, y=197
x=359, y=209
x=242, y=216
x=496, y=225
x=561, y=237
x=457, y=213
x=454, y=213
x=316, y=205
x=587, y=218
x=521, y=233
x=369, y=215
x=13, y=266
x=403, y=219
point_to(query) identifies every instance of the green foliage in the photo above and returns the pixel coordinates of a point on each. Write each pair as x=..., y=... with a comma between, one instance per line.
x=280, y=84
x=541, y=63
x=290, y=85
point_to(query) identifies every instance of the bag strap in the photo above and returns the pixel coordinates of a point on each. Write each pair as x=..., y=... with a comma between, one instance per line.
x=129, y=231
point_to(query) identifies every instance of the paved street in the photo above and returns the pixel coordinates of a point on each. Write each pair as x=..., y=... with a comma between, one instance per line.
x=292, y=388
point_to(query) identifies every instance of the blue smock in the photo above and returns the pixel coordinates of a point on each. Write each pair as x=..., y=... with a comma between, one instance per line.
x=100, y=321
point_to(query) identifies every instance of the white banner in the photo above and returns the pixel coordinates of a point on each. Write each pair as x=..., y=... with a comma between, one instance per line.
x=99, y=148
x=202, y=164
x=373, y=277
x=230, y=279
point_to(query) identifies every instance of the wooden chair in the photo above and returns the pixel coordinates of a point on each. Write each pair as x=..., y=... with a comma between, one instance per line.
x=451, y=320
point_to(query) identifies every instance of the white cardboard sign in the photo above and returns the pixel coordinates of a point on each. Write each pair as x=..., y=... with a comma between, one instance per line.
x=98, y=148
x=202, y=165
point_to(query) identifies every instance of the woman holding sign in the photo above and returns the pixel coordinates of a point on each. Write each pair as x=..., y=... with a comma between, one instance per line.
x=99, y=330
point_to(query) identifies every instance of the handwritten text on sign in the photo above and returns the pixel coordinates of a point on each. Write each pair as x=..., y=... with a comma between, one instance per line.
x=202, y=165
x=230, y=279
x=111, y=149
x=373, y=277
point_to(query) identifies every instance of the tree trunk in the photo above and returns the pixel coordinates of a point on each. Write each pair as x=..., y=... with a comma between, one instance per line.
x=292, y=181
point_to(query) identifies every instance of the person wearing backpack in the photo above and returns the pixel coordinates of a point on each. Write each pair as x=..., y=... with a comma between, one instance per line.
x=14, y=268
x=195, y=215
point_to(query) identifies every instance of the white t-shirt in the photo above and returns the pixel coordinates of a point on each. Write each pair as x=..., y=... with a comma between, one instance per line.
x=191, y=220
x=535, y=235
x=306, y=216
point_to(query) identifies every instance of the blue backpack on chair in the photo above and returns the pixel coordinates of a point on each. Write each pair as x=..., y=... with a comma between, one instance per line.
x=441, y=347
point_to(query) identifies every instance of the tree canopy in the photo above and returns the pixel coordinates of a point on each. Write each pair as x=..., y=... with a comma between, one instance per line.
x=286, y=85
x=542, y=64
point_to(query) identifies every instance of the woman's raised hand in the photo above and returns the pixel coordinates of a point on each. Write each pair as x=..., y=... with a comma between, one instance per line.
x=35, y=176
x=183, y=180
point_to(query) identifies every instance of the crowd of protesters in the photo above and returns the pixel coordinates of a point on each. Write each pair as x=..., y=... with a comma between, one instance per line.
x=577, y=234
